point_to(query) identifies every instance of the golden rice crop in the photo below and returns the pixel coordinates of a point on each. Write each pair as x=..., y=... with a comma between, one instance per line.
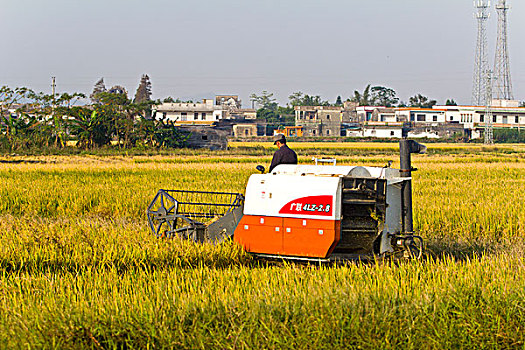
x=79, y=267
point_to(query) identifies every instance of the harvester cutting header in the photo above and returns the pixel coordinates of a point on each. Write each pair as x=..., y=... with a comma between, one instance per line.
x=302, y=212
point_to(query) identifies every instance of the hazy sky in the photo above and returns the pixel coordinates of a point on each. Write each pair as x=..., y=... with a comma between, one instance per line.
x=195, y=49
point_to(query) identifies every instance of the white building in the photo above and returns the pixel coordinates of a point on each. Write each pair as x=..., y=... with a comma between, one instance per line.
x=431, y=116
x=383, y=133
x=190, y=113
x=392, y=132
x=434, y=122
x=474, y=116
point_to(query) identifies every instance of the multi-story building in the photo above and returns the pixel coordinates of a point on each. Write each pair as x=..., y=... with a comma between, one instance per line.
x=472, y=116
x=319, y=120
x=232, y=106
x=349, y=112
x=205, y=113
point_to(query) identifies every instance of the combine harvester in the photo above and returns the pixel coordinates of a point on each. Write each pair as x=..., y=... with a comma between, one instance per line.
x=303, y=212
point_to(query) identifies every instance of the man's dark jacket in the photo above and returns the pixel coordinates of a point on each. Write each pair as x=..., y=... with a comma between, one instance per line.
x=283, y=155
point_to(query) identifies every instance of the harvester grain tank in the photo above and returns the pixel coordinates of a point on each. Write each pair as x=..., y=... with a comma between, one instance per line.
x=303, y=212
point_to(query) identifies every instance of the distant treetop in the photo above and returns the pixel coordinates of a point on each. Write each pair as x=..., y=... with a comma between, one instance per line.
x=98, y=88
x=143, y=93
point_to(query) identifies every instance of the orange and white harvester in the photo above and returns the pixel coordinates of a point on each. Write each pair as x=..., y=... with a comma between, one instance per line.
x=303, y=212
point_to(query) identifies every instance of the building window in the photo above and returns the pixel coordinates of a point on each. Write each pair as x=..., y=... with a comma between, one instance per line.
x=391, y=133
x=435, y=118
x=420, y=117
x=195, y=116
x=482, y=118
x=327, y=132
x=217, y=117
x=516, y=119
x=328, y=116
x=412, y=117
x=313, y=132
x=203, y=116
x=164, y=114
x=494, y=119
x=301, y=115
x=204, y=137
x=183, y=116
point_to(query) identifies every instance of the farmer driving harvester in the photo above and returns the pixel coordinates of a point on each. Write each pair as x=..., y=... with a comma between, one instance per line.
x=283, y=155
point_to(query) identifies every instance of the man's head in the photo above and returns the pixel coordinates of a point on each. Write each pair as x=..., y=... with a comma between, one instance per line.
x=279, y=140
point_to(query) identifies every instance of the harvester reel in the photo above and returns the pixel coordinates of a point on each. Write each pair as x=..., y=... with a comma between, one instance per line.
x=181, y=214
x=161, y=214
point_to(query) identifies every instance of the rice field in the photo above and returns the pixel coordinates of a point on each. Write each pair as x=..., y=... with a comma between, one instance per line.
x=79, y=267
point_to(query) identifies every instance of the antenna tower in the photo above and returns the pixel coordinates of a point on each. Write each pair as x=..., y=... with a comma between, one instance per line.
x=481, y=63
x=489, y=131
x=502, y=82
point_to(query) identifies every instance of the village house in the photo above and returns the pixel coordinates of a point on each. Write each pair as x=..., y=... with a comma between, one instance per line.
x=189, y=113
x=319, y=120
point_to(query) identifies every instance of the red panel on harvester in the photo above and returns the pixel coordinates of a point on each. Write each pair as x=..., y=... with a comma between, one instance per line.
x=260, y=234
x=287, y=236
x=310, y=237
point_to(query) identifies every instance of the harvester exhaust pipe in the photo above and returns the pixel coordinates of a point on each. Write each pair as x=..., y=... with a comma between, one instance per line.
x=406, y=148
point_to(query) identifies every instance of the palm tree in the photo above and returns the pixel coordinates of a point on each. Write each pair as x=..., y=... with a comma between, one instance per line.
x=90, y=128
x=364, y=99
x=421, y=101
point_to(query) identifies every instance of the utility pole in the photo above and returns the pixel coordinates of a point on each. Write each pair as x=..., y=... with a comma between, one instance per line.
x=53, y=92
x=481, y=61
x=489, y=132
x=53, y=86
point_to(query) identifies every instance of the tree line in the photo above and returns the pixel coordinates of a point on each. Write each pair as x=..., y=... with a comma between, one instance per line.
x=370, y=96
x=30, y=120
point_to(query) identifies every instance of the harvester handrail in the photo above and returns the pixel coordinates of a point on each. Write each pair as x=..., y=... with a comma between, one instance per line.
x=209, y=192
x=232, y=199
x=202, y=203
